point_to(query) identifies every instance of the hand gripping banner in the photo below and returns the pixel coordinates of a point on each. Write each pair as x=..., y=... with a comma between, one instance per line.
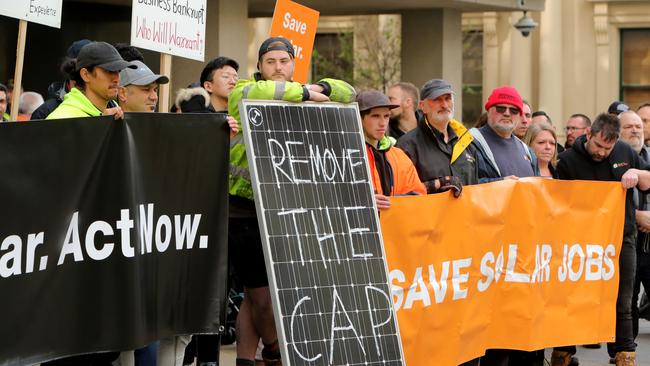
x=506, y=265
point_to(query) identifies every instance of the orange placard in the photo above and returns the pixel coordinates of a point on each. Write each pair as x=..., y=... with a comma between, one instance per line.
x=298, y=24
x=522, y=264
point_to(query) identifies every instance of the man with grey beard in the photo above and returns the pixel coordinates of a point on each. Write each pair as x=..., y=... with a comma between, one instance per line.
x=644, y=112
x=440, y=146
x=501, y=155
x=632, y=132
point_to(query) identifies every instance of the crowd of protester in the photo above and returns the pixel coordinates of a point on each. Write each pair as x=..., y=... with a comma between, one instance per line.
x=414, y=146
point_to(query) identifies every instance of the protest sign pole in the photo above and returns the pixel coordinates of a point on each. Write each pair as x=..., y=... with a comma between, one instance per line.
x=165, y=69
x=18, y=73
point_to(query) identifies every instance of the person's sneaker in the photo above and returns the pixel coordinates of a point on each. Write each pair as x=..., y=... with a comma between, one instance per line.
x=592, y=346
x=625, y=359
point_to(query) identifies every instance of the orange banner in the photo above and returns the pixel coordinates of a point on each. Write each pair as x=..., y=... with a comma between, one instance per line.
x=522, y=264
x=298, y=24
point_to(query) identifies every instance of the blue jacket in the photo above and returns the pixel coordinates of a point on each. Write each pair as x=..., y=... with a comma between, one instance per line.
x=488, y=171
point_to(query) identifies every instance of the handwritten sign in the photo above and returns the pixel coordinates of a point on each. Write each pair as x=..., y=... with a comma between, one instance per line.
x=298, y=24
x=319, y=226
x=175, y=27
x=46, y=12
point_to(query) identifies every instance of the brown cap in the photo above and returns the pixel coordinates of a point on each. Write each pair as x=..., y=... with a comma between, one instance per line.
x=370, y=99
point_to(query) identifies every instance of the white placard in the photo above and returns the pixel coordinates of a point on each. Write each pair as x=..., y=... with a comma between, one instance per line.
x=46, y=12
x=176, y=27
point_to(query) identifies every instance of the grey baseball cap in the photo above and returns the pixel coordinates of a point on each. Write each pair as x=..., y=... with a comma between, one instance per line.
x=141, y=76
x=434, y=88
x=370, y=99
x=103, y=55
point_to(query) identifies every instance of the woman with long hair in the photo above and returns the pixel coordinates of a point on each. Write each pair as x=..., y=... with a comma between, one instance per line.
x=541, y=138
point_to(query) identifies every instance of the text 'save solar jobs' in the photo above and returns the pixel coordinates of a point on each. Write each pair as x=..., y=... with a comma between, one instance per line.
x=321, y=235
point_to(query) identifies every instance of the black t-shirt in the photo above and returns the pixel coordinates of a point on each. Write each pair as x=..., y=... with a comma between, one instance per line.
x=576, y=164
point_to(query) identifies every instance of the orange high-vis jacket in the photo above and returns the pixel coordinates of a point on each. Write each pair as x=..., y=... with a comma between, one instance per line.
x=405, y=178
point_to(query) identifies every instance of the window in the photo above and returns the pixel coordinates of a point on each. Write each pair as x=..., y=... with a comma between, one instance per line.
x=472, y=76
x=635, y=66
x=332, y=56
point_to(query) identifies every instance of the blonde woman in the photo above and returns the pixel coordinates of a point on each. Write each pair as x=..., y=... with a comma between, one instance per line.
x=542, y=140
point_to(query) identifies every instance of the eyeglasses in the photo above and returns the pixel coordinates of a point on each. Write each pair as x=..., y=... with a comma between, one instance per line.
x=501, y=109
x=571, y=128
x=227, y=77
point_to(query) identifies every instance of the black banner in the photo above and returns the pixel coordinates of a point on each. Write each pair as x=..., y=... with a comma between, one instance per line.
x=112, y=233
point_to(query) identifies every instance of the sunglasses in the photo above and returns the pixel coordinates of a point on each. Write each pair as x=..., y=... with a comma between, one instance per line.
x=502, y=109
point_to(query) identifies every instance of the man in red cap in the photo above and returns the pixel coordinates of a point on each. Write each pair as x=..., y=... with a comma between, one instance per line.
x=501, y=155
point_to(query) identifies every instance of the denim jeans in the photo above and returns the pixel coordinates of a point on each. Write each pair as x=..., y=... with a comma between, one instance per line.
x=627, y=269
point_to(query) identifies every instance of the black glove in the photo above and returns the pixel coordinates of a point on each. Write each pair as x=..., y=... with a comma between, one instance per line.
x=451, y=182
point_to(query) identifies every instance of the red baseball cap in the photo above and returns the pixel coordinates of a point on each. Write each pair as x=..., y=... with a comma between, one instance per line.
x=505, y=95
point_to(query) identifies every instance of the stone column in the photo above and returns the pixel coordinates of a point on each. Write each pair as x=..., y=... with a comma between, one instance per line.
x=432, y=48
x=490, y=53
x=606, y=77
x=551, y=78
x=521, y=66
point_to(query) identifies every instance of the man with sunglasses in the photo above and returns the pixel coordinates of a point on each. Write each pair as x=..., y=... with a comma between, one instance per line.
x=500, y=154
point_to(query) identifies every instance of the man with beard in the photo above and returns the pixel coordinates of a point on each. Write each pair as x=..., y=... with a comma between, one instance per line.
x=274, y=81
x=501, y=154
x=644, y=112
x=576, y=126
x=632, y=132
x=599, y=155
x=440, y=147
x=405, y=117
x=96, y=73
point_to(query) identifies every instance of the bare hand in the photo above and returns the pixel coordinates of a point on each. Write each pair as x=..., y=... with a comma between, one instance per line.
x=315, y=87
x=630, y=179
x=643, y=220
x=511, y=177
x=383, y=202
x=315, y=96
x=116, y=112
x=232, y=124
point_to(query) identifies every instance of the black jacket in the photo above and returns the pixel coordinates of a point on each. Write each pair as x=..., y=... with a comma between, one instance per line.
x=432, y=156
x=55, y=93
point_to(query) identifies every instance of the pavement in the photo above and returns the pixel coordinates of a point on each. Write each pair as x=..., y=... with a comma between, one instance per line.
x=587, y=357
x=599, y=357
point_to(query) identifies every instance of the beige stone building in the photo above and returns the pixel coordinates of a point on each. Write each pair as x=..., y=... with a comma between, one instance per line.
x=583, y=55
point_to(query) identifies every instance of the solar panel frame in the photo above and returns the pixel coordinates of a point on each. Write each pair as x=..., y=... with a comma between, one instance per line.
x=255, y=121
